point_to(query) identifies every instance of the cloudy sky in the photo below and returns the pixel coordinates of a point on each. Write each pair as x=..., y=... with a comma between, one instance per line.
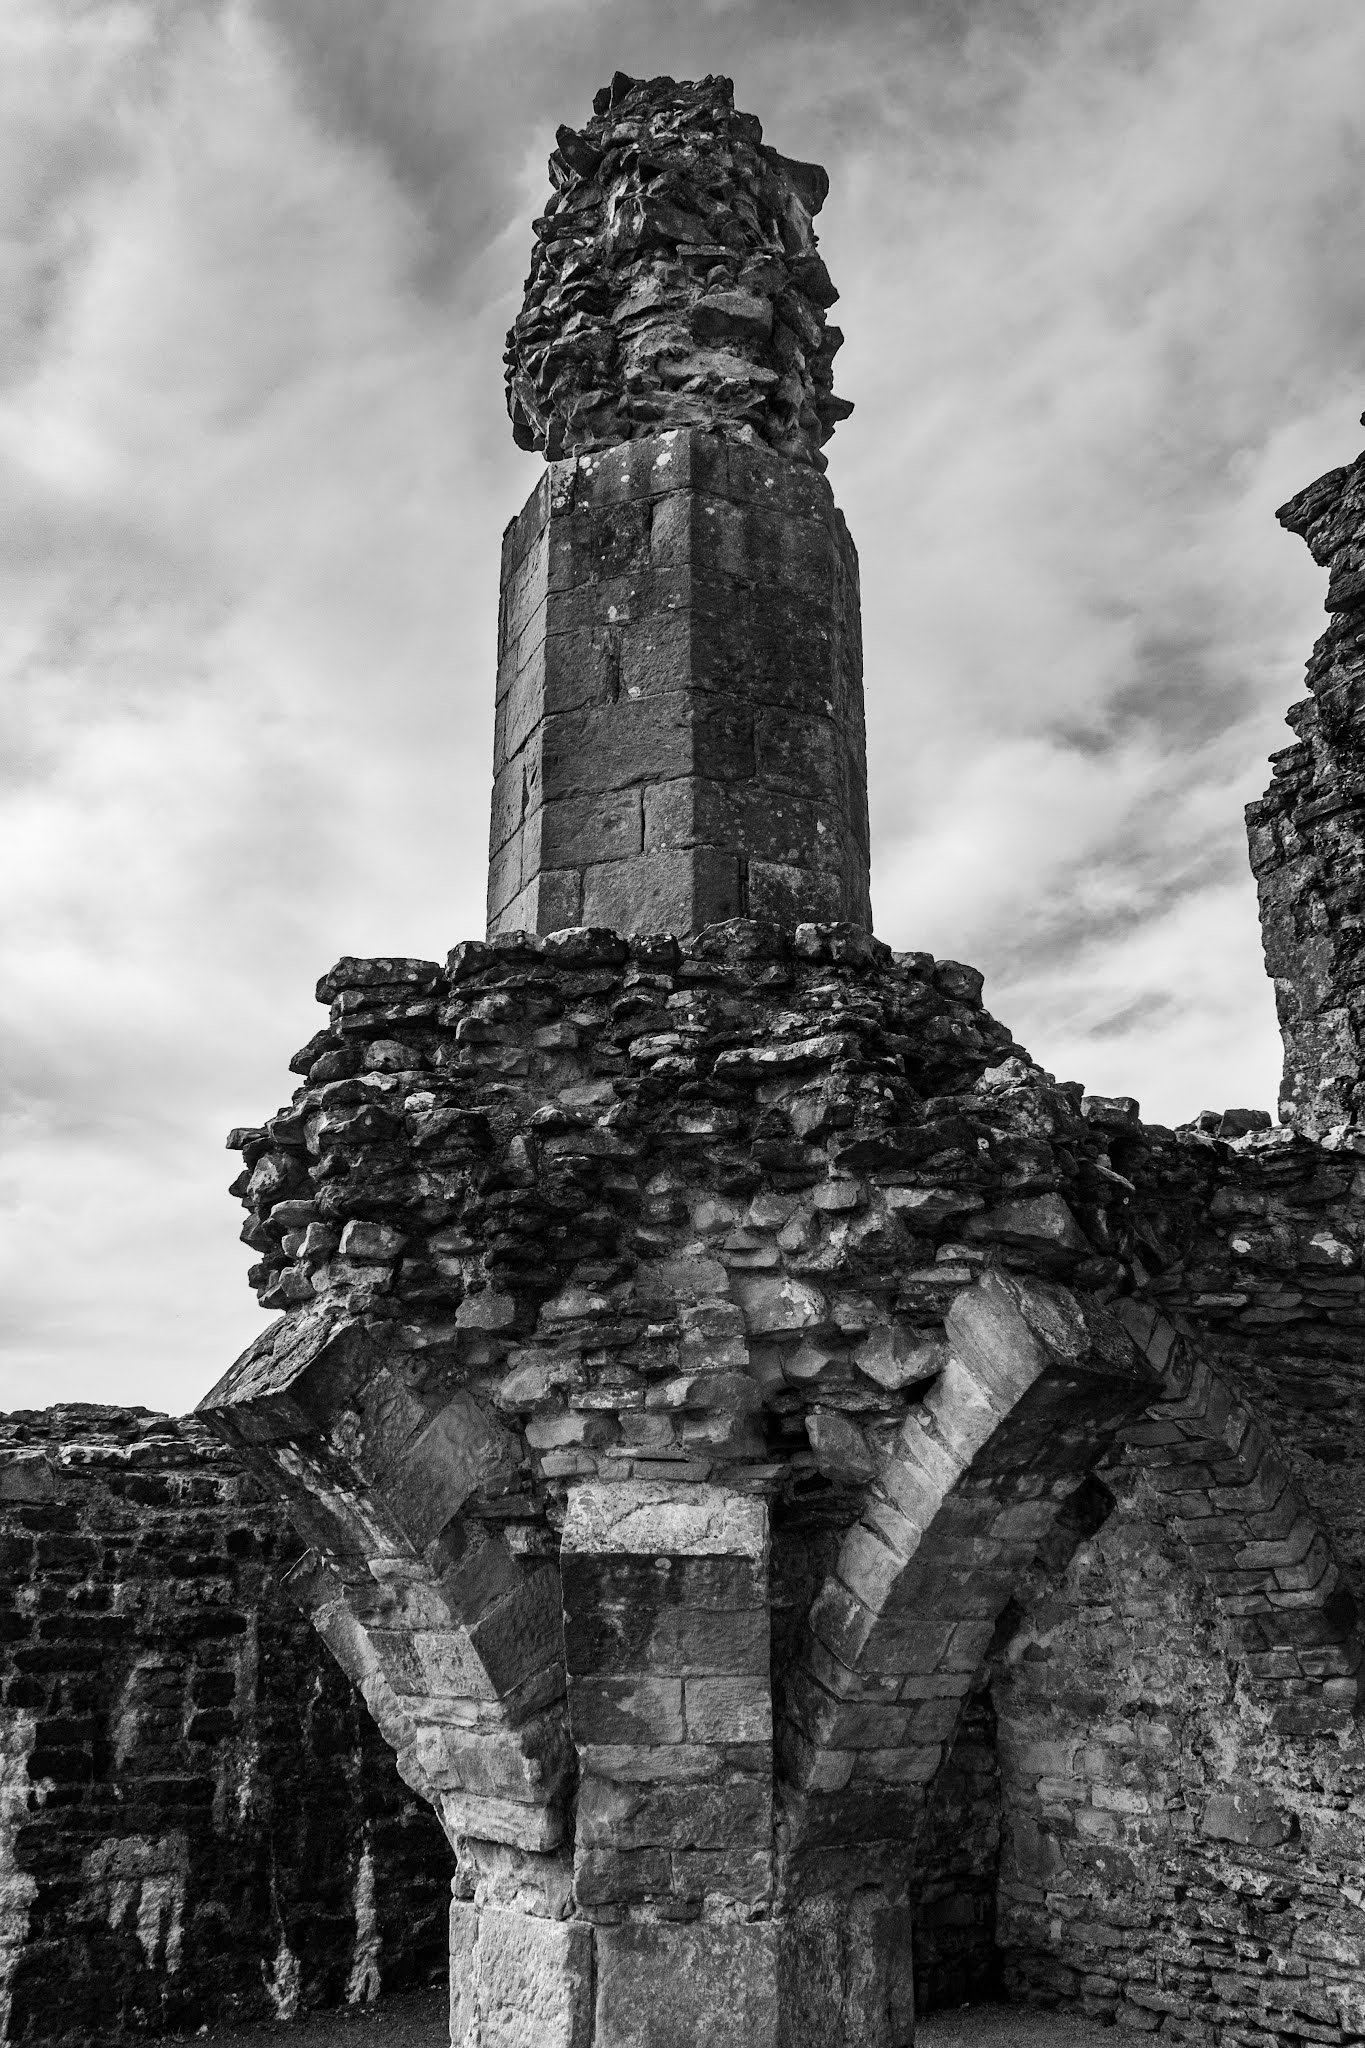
x=1103, y=277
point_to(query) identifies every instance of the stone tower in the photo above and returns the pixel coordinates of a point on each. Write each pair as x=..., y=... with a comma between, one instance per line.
x=679, y=735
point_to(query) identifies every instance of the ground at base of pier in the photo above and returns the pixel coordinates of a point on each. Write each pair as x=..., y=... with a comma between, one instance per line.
x=412, y=2019
x=418, y=2020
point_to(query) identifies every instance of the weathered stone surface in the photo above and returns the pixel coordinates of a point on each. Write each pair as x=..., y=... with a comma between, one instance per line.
x=1036, y=1385
x=518, y=1981
x=675, y=282
x=1305, y=834
x=198, y=1821
x=646, y=1672
x=676, y=1985
x=401, y=1466
x=679, y=734
x=686, y=1194
x=847, y=1971
x=662, y=1521
x=1170, y=1857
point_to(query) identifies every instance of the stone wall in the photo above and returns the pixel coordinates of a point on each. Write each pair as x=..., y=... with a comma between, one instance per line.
x=1183, y=1771
x=198, y=1820
x=1306, y=837
x=1172, y=1857
x=1181, y=1791
x=1257, y=1239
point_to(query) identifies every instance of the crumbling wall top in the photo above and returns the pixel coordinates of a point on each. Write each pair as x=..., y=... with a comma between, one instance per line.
x=675, y=282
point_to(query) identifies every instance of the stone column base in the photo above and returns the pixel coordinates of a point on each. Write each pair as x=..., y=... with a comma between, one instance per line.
x=846, y=1972
x=836, y=1975
x=674, y=1985
x=517, y=1981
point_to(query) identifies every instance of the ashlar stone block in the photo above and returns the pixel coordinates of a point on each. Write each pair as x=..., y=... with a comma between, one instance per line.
x=518, y=1981
x=679, y=732
x=666, y=1642
x=674, y=1986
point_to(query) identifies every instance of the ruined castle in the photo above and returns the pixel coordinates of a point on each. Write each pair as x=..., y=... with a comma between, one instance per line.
x=830, y=1520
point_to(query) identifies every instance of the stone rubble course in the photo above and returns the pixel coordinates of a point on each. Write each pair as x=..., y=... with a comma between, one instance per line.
x=676, y=282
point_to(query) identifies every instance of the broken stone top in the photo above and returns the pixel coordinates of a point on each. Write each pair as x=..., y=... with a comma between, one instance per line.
x=675, y=283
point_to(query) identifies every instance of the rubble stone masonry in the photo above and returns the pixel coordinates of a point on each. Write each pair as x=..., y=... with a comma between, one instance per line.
x=1307, y=833
x=675, y=282
x=198, y=1821
x=1175, y=1833
x=1173, y=1856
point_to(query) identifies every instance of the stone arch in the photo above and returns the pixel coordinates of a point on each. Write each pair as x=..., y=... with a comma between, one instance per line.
x=1004, y=1467
x=1037, y=1385
x=1228, y=1493
x=1177, y=1729
x=392, y=1465
x=990, y=1476
x=454, y=1642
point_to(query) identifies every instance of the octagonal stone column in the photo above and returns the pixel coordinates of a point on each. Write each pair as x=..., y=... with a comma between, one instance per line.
x=679, y=735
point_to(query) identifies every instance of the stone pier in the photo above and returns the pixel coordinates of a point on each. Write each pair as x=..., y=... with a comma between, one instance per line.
x=675, y=1389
